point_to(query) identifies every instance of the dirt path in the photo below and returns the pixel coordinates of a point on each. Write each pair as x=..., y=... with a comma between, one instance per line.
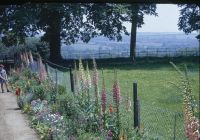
x=13, y=124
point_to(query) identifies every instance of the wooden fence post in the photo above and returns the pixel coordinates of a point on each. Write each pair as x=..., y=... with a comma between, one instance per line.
x=46, y=67
x=175, y=127
x=71, y=79
x=136, y=108
x=157, y=52
x=186, y=50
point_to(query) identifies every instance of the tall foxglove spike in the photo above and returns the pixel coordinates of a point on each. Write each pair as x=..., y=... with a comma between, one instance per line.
x=103, y=94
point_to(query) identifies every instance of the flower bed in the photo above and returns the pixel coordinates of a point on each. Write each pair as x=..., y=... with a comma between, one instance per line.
x=85, y=114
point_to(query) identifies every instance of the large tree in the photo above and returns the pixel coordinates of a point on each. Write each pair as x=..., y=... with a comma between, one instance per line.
x=71, y=22
x=136, y=14
x=189, y=19
x=60, y=22
x=111, y=16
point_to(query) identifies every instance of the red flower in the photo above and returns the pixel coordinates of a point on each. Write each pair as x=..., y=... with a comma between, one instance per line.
x=110, y=109
x=18, y=91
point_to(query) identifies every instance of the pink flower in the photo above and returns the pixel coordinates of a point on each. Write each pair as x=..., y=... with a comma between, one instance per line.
x=95, y=73
x=42, y=70
x=82, y=74
x=95, y=82
x=110, y=133
x=27, y=59
x=88, y=78
x=30, y=57
x=116, y=92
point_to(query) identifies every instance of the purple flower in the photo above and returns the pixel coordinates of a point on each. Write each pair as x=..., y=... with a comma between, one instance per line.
x=33, y=103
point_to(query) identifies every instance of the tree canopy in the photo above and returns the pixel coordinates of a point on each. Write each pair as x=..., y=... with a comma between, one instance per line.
x=69, y=22
x=136, y=14
x=189, y=19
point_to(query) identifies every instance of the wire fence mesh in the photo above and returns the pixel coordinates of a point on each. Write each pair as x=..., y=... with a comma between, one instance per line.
x=140, y=52
x=59, y=77
x=161, y=123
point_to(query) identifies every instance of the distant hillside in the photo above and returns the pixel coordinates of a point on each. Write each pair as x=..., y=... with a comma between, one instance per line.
x=144, y=40
x=101, y=45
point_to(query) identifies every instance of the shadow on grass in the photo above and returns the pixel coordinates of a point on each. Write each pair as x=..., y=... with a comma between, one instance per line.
x=146, y=63
x=150, y=63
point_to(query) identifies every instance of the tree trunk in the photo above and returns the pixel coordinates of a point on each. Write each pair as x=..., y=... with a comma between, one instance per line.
x=54, y=38
x=135, y=10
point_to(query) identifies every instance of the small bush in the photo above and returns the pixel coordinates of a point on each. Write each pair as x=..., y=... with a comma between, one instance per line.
x=61, y=89
x=68, y=105
x=27, y=73
x=39, y=92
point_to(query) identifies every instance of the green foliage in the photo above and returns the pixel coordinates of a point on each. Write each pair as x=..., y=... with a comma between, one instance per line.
x=24, y=100
x=54, y=107
x=15, y=77
x=3, y=49
x=39, y=92
x=90, y=136
x=185, y=88
x=68, y=105
x=20, y=102
x=43, y=130
x=43, y=50
x=61, y=89
x=65, y=21
x=27, y=73
x=189, y=18
x=27, y=108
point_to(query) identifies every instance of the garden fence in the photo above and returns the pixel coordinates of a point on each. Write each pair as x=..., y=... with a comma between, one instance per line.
x=161, y=123
x=58, y=77
x=140, y=52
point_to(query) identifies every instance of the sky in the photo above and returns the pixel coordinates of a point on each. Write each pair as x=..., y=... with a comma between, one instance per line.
x=166, y=21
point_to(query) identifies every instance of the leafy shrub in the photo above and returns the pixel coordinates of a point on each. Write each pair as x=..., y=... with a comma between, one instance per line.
x=26, y=108
x=43, y=49
x=61, y=89
x=20, y=102
x=68, y=105
x=24, y=99
x=27, y=73
x=15, y=77
x=39, y=92
x=44, y=131
x=90, y=136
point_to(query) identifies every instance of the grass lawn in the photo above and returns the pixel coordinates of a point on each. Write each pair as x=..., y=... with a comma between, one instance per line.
x=153, y=79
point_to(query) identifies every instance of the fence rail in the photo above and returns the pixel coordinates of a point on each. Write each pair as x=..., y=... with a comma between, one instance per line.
x=6, y=58
x=145, y=52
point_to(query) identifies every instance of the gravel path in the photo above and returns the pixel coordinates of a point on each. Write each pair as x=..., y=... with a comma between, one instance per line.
x=13, y=124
